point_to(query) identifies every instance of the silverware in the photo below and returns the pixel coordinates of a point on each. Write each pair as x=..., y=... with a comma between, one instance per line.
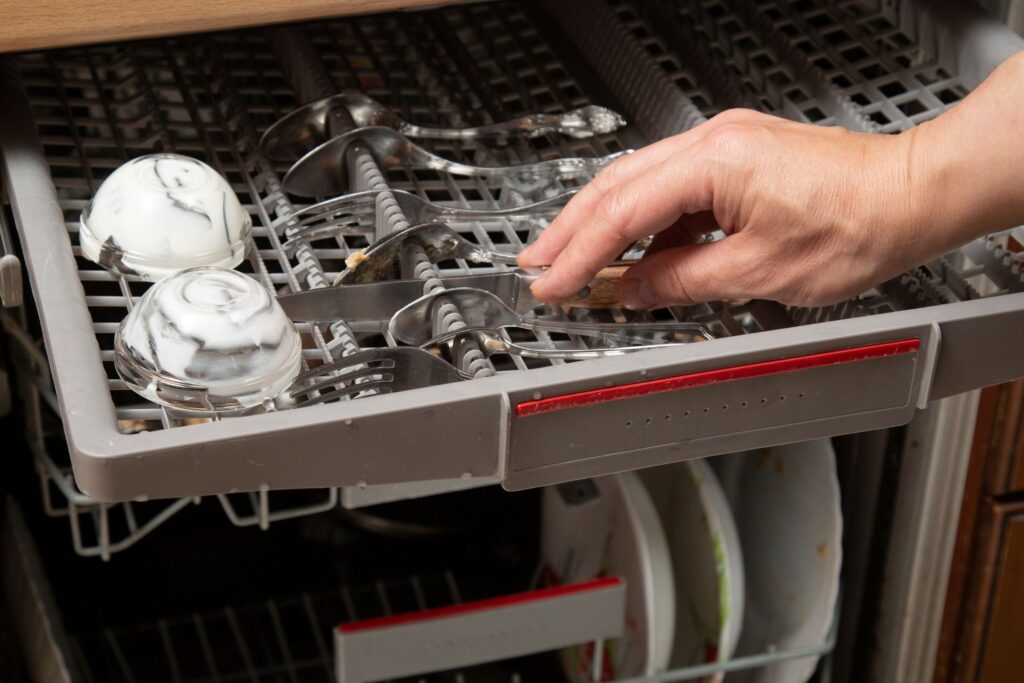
x=356, y=214
x=381, y=260
x=482, y=311
x=492, y=341
x=303, y=129
x=321, y=171
x=381, y=371
x=378, y=301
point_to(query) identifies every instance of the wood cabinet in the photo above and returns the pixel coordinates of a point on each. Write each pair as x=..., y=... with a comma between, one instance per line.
x=982, y=636
x=36, y=24
x=1002, y=651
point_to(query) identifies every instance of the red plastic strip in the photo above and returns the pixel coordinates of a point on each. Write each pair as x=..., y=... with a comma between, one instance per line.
x=696, y=379
x=480, y=605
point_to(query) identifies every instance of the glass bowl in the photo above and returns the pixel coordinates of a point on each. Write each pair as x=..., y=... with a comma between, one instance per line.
x=207, y=340
x=162, y=213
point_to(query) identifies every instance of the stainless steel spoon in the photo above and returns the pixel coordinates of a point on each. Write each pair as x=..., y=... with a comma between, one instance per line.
x=483, y=311
x=356, y=213
x=440, y=241
x=293, y=135
x=321, y=172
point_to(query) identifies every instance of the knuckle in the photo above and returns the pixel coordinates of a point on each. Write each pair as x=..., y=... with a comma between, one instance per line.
x=729, y=139
x=612, y=215
x=612, y=174
x=737, y=116
x=680, y=288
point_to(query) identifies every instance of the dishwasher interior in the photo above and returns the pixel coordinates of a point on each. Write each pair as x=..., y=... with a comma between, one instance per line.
x=185, y=597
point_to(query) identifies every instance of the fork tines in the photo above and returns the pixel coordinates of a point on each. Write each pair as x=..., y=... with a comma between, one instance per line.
x=341, y=379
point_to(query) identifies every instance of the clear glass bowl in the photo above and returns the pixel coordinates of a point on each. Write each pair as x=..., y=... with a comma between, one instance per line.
x=207, y=340
x=162, y=213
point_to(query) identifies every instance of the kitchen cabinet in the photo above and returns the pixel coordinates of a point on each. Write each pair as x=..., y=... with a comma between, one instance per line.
x=35, y=24
x=983, y=630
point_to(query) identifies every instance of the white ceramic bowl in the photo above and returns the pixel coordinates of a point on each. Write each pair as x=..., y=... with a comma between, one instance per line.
x=207, y=340
x=162, y=213
x=614, y=532
x=787, y=508
x=707, y=561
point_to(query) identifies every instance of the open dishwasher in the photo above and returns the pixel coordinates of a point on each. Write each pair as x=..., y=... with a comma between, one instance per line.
x=352, y=514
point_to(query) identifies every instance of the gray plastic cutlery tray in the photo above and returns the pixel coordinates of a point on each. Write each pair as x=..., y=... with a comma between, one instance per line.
x=772, y=375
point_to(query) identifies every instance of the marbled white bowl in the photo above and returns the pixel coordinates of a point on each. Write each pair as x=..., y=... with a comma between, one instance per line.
x=162, y=213
x=207, y=340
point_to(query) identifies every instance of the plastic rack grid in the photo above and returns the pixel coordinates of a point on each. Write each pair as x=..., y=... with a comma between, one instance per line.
x=787, y=56
x=210, y=96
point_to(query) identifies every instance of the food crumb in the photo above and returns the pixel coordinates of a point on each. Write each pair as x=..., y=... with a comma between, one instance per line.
x=354, y=259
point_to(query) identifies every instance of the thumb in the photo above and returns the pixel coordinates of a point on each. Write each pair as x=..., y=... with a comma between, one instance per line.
x=692, y=274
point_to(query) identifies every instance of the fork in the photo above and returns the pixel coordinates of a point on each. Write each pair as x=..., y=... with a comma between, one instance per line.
x=382, y=371
x=356, y=213
x=321, y=172
x=494, y=340
x=481, y=309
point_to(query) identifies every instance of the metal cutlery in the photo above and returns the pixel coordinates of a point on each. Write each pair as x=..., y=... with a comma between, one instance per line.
x=378, y=301
x=303, y=129
x=321, y=171
x=493, y=341
x=356, y=213
x=381, y=371
x=483, y=311
x=381, y=260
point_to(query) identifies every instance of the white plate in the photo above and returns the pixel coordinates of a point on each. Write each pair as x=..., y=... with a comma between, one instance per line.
x=706, y=558
x=610, y=528
x=787, y=508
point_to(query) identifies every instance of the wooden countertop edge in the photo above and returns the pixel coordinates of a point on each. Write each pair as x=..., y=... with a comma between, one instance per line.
x=40, y=24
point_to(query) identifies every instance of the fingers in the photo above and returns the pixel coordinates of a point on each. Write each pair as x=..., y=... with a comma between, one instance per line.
x=687, y=230
x=557, y=235
x=579, y=210
x=726, y=269
x=646, y=204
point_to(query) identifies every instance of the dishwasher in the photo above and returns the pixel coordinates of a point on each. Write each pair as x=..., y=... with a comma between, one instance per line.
x=713, y=511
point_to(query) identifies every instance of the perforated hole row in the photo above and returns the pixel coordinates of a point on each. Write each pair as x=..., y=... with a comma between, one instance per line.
x=708, y=410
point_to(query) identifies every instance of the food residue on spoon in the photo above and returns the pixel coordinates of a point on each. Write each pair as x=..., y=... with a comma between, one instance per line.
x=354, y=259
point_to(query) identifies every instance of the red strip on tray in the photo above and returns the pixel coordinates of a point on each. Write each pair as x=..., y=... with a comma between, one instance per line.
x=480, y=605
x=696, y=379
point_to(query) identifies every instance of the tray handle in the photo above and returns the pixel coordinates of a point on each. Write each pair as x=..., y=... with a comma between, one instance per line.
x=480, y=631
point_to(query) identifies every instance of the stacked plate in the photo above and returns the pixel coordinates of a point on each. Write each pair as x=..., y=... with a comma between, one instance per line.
x=730, y=556
x=787, y=507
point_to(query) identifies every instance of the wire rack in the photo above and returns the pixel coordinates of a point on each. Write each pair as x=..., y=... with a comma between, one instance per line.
x=284, y=640
x=211, y=96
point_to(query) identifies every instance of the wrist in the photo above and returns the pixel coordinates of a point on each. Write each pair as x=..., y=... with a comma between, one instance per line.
x=965, y=166
x=941, y=207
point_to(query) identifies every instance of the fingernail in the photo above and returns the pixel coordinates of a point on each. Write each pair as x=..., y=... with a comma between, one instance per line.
x=637, y=295
x=540, y=279
x=526, y=250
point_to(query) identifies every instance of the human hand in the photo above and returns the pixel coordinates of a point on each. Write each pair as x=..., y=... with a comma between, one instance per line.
x=812, y=215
